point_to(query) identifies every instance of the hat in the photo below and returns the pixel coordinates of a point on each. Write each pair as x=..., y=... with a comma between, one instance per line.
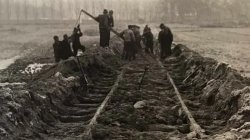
x=162, y=26
x=130, y=26
x=105, y=11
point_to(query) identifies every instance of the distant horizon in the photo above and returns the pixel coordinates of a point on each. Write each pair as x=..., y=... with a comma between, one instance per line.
x=217, y=11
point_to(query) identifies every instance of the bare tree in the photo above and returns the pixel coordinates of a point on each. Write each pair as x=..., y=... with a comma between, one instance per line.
x=25, y=5
x=8, y=5
x=35, y=10
x=52, y=9
x=43, y=9
x=18, y=10
x=77, y=7
x=61, y=10
x=1, y=6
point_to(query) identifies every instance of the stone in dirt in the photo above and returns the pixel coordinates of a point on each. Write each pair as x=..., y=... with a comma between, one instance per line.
x=140, y=105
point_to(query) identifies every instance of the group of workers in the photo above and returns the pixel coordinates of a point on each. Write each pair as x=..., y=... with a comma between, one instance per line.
x=62, y=49
x=131, y=36
x=132, y=41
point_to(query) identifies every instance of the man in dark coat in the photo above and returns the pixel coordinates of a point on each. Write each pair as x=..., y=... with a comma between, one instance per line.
x=146, y=28
x=66, y=50
x=56, y=47
x=110, y=23
x=165, y=39
x=148, y=38
x=76, y=43
x=104, y=28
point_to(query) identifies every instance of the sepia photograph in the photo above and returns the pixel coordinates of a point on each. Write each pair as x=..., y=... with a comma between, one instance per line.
x=124, y=70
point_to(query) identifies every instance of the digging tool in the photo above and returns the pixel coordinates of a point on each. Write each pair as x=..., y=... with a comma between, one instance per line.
x=142, y=78
x=84, y=76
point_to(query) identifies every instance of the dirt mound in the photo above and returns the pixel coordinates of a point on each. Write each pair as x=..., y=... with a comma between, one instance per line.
x=222, y=87
x=29, y=109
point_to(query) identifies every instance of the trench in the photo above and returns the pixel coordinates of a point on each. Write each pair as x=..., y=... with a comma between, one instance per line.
x=143, y=105
x=155, y=111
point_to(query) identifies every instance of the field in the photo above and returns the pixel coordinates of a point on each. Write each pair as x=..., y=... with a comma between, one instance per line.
x=229, y=45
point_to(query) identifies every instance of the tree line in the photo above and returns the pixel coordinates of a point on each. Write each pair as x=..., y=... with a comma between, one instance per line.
x=180, y=11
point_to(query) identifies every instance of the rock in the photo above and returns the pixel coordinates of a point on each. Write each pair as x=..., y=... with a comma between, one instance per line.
x=140, y=105
x=162, y=127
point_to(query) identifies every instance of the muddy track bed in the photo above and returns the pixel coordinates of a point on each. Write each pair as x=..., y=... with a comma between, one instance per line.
x=55, y=103
x=135, y=101
x=75, y=113
x=154, y=112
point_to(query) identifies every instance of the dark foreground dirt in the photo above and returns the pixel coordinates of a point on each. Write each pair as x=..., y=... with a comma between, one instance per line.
x=55, y=103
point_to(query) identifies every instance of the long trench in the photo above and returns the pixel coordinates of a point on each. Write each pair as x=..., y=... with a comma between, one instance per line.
x=162, y=83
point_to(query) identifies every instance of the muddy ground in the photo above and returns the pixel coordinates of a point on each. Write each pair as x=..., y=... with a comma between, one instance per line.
x=29, y=102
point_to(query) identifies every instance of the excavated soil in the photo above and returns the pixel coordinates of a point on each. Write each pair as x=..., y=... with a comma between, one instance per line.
x=56, y=104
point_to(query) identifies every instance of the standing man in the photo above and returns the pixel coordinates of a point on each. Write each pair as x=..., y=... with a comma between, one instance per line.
x=104, y=28
x=56, y=47
x=111, y=19
x=76, y=43
x=66, y=50
x=145, y=29
x=110, y=23
x=129, y=44
x=137, y=33
x=148, y=38
x=165, y=39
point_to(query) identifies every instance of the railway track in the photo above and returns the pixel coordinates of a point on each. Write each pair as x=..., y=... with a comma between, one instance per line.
x=171, y=107
x=76, y=113
x=182, y=114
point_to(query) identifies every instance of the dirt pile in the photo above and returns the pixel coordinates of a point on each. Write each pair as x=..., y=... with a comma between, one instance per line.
x=222, y=88
x=29, y=110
